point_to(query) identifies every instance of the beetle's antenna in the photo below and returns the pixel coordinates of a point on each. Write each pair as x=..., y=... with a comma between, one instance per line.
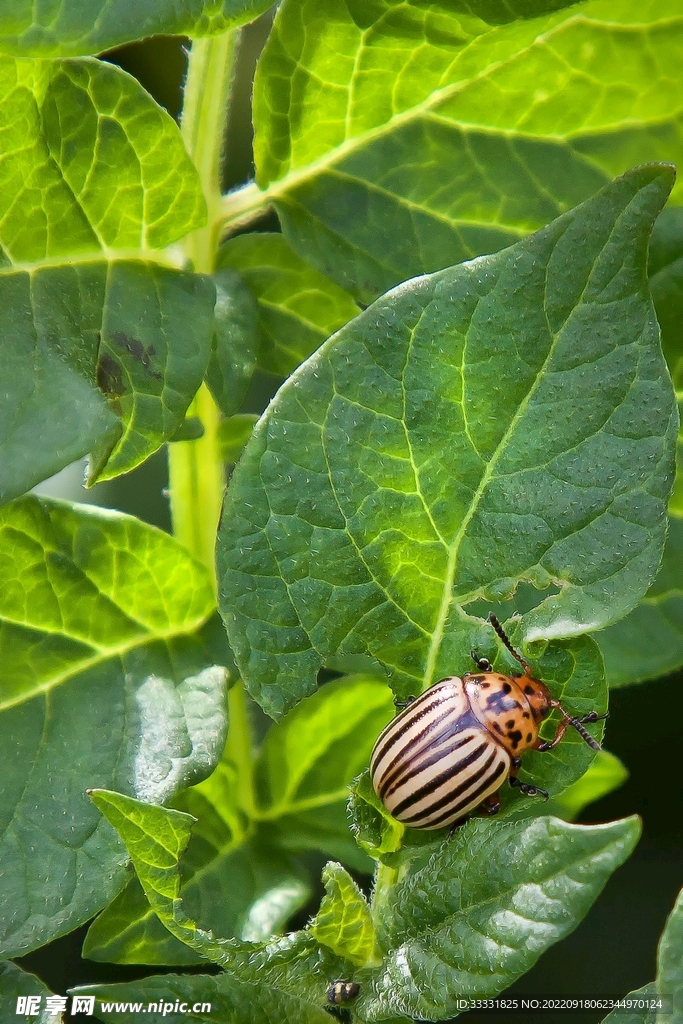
x=582, y=732
x=503, y=636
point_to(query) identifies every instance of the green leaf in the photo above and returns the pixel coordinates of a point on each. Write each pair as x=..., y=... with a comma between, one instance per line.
x=234, y=433
x=232, y=1001
x=94, y=180
x=298, y=308
x=235, y=341
x=670, y=963
x=638, y=1016
x=91, y=165
x=649, y=642
x=68, y=27
x=504, y=421
x=309, y=760
x=343, y=921
x=106, y=644
x=243, y=890
x=373, y=827
x=14, y=983
x=529, y=118
x=483, y=908
x=605, y=774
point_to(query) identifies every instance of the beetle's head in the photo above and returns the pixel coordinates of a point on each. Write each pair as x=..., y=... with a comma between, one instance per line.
x=537, y=695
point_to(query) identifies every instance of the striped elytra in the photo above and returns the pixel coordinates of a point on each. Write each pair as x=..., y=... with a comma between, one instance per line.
x=434, y=762
x=452, y=748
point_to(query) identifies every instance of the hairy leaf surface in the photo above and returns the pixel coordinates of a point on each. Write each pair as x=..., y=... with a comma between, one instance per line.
x=60, y=28
x=343, y=921
x=484, y=907
x=409, y=137
x=107, y=650
x=503, y=421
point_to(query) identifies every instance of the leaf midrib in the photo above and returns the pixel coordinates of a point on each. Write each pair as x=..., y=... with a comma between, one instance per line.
x=103, y=655
x=292, y=178
x=613, y=841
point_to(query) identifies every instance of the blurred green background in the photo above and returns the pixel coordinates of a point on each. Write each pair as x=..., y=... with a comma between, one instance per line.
x=613, y=950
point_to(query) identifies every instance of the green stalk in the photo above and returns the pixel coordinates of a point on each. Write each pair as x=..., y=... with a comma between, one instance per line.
x=196, y=472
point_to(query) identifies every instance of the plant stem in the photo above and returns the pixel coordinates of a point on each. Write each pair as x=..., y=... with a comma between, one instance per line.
x=239, y=747
x=196, y=472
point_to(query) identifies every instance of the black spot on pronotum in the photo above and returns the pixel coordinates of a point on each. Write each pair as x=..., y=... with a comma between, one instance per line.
x=497, y=727
x=526, y=714
x=510, y=723
x=507, y=688
x=528, y=689
x=515, y=736
x=528, y=737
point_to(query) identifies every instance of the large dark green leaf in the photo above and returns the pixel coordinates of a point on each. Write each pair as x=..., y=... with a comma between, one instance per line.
x=70, y=27
x=507, y=420
x=106, y=648
x=447, y=130
x=483, y=908
x=298, y=307
x=649, y=642
x=87, y=203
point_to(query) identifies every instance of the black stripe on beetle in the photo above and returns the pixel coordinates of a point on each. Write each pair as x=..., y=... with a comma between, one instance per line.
x=452, y=748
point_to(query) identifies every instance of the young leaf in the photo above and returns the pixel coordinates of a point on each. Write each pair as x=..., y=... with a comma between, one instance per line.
x=605, y=774
x=230, y=1000
x=106, y=648
x=471, y=430
x=484, y=907
x=529, y=117
x=81, y=302
x=343, y=921
x=243, y=890
x=670, y=963
x=309, y=760
x=649, y=642
x=298, y=307
x=235, y=342
x=69, y=28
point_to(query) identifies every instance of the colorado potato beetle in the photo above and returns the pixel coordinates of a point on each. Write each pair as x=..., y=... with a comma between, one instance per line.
x=452, y=747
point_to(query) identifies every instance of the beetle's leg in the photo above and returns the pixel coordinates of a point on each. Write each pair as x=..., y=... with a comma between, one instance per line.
x=491, y=804
x=483, y=664
x=593, y=716
x=526, y=788
x=456, y=825
x=549, y=744
x=400, y=704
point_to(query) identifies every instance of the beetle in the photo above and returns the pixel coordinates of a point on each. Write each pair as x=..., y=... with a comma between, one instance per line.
x=452, y=747
x=342, y=991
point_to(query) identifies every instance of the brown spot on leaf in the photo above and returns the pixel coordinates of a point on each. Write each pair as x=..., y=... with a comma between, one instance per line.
x=137, y=351
x=110, y=376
